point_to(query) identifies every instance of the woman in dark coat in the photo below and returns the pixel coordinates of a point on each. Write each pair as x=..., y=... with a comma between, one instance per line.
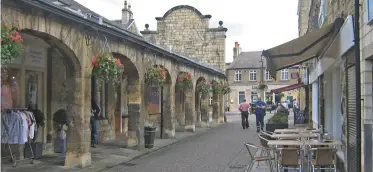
x=95, y=111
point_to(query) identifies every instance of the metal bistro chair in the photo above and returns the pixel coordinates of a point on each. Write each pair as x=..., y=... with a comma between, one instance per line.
x=288, y=158
x=253, y=150
x=325, y=158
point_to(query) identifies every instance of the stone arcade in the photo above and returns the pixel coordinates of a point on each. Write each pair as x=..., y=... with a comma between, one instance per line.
x=71, y=41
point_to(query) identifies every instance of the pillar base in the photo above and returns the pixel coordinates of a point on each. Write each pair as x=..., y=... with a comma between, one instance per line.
x=205, y=124
x=190, y=128
x=169, y=134
x=215, y=121
x=75, y=159
x=221, y=120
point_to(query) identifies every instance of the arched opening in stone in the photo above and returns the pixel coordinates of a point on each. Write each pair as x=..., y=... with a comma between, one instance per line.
x=202, y=103
x=44, y=79
x=119, y=106
x=159, y=107
x=185, y=103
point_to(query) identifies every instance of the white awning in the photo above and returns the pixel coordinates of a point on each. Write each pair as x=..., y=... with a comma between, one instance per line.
x=300, y=49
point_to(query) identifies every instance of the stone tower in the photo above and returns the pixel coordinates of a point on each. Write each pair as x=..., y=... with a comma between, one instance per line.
x=185, y=30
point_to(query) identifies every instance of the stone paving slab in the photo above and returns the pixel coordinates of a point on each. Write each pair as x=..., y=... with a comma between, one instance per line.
x=103, y=156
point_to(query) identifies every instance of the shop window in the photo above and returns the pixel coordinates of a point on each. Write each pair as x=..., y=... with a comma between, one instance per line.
x=370, y=11
x=237, y=75
x=284, y=74
x=241, y=96
x=268, y=77
x=254, y=97
x=33, y=89
x=252, y=75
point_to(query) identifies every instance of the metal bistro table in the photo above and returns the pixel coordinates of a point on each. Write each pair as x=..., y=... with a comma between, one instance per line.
x=295, y=136
x=294, y=130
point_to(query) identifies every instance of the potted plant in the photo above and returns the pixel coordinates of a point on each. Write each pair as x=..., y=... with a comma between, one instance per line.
x=37, y=147
x=216, y=87
x=204, y=88
x=279, y=120
x=184, y=81
x=61, y=123
x=262, y=86
x=11, y=44
x=156, y=75
x=106, y=68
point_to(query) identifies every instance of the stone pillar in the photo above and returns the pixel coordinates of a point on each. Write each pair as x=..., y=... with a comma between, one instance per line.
x=168, y=111
x=135, y=117
x=190, y=116
x=180, y=110
x=205, y=111
x=79, y=135
x=198, y=110
x=221, y=108
x=215, y=108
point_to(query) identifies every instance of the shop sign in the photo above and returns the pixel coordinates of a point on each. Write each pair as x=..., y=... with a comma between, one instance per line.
x=35, y=57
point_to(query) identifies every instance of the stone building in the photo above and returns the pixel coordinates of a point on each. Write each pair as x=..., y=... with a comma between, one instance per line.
x=185, y=30
x=55, y=72
x=244, y=75
x=328, y=46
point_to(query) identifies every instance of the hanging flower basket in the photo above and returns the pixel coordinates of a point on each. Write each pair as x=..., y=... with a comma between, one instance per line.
x=156, y=75
x=106, y=68
x=216, y=87
x=203, y=88
x=11, y=44
x=262, y=87
x=184, y=81
x=226, y=89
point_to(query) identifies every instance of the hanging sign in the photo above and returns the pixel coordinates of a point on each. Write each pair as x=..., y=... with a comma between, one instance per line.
x=35, y=57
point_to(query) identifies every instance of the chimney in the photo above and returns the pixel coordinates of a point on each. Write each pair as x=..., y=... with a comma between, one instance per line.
x=126, y=13
x=236, y=50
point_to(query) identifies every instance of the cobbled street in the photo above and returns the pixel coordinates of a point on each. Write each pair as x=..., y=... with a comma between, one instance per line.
x=208, y=152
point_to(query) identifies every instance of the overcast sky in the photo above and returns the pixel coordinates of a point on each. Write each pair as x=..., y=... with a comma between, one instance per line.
x=255, y=24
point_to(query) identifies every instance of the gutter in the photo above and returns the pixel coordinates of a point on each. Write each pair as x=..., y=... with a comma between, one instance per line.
x=119, y=34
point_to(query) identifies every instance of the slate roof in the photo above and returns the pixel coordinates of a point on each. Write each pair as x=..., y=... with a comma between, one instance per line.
x=247, y=60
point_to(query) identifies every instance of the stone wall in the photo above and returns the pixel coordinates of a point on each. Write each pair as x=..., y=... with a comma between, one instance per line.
x=187, y=32
x=303, y=16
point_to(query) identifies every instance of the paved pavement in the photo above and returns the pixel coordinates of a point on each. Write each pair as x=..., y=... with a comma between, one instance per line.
x=208, y=152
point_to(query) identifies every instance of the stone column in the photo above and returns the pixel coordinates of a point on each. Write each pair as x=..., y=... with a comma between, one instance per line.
x=135, y=117
x=198, y=110
x=205, y=111
x=79, y=135
x=215, y=108
x=190, y=116
x=221, y=108
x=180, y=110
x=168, y=111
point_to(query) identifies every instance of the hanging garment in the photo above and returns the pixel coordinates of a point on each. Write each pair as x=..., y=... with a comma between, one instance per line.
x=24, y=128
x=12, y=126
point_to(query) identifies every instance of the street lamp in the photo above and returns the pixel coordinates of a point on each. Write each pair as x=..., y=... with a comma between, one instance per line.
x=261, y=81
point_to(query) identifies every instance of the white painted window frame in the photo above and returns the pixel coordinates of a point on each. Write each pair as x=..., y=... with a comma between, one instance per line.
x=283, y=72
x=268, y=77
x=253, y=73
x=237, y=75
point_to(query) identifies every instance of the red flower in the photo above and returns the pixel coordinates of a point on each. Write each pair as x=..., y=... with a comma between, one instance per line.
x=117, y=61
x=187, y=76
x=180, y=79
x=6, y=25
x=19, y=29
x=94, y=61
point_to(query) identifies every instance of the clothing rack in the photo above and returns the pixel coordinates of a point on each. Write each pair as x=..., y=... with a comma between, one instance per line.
x=13, y=159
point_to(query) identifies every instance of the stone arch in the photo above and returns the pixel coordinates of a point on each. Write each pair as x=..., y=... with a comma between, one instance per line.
x=63, y=75
x=159, y=109
x=185, y=105
x=201, y=105
x=180, y=7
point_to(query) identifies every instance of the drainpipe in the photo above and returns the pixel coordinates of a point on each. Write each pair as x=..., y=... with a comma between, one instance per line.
x=358, y=82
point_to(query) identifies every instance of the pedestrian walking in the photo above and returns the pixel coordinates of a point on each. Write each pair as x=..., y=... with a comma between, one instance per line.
x=260, y=112
x=244, y=109
x=95, y=111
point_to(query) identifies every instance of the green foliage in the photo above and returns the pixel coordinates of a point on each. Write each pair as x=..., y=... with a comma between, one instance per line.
x=262, y=87
x=216, y=87
x=156, y=75
x=204, y=88
x=106, y=69
x=11, y=44
x=184, y=81
x=226, y=89
x=280, y=117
